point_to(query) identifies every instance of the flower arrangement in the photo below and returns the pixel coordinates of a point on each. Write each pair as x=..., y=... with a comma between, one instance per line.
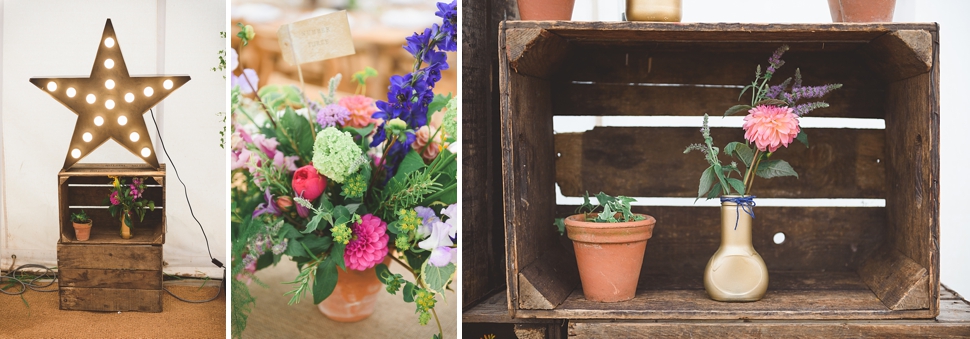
x=126, y=199
x=344, y=183
x=772, y=122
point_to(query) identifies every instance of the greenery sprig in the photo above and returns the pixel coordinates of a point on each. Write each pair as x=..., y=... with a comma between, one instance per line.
x=611, y=207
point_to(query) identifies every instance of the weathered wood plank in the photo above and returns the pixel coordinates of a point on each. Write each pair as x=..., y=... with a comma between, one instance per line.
x=535, y=52
x=816, y=239
x=109, y=257
x=95, y=196
x=483, y=260
x=761, y=329
x=124, y=279
x=896, y=279
x=901, y=54
x=639, y=161
x=654, y=31
x=109, y=299
x=913, y=169
x=152, y=231
x=531, y=331
x=547, y=281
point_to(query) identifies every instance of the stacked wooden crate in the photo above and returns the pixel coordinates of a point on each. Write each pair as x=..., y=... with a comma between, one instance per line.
x=870, y=261
x=106, y=272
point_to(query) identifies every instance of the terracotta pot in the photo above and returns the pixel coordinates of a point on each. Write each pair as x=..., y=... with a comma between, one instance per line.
x=82, y=231
x=546, y=9
x=862, y=10
x=125, y=229
x=355, y=295
x=653, y=10
x=736, y=272
x=609, y=255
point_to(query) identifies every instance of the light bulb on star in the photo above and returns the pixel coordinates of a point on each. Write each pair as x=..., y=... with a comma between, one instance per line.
x=96, y=100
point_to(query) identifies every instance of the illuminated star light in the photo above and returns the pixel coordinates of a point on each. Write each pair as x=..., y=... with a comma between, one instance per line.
x=110, y=103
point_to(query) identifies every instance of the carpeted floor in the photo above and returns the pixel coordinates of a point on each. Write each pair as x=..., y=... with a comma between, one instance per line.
x=44, y=319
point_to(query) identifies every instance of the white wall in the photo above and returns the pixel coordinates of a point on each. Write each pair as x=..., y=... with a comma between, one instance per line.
x=954, y=115
x=60, y=38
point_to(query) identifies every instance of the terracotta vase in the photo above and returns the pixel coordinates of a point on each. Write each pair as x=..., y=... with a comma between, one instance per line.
x=609, y=255
x=355, y=295
x=736, y=272
x=125, y=229
x=654, y=10
x=82, y=231
x=546, y=9
x=862, y=10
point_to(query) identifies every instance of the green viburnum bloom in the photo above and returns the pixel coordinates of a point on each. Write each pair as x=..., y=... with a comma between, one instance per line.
x=355, y=186
x=450, y=123
x=335, y=154
x=342, y=234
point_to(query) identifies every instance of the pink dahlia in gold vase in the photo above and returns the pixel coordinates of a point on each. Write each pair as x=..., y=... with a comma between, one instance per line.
x=769, y=127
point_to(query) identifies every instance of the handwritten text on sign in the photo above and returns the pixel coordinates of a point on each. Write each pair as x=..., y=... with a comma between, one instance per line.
x=320, y=38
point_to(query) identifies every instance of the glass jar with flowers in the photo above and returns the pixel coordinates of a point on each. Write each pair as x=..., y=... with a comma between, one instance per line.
x=126, y=201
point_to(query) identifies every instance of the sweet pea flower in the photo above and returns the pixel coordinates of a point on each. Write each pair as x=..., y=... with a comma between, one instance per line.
x=439, y=243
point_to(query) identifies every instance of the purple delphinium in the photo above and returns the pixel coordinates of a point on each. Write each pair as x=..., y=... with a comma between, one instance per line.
x=332, y=115
x=409, y=95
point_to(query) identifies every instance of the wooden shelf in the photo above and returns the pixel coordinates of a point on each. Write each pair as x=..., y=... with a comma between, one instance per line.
x=148, y=232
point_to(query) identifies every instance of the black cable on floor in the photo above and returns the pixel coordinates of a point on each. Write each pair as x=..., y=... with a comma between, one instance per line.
x=215, y=261
x=32, y=284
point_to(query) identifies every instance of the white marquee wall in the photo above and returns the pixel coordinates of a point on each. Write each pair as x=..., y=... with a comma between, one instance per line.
x=60, y=38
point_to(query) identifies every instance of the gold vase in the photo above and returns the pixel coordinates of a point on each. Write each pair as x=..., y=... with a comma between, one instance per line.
x=736, y=272
x=653, y=10
x=125, y=229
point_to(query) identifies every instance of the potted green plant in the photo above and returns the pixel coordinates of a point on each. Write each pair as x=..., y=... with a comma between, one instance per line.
x=126, y=200
x=82, y=225
x=609, y=246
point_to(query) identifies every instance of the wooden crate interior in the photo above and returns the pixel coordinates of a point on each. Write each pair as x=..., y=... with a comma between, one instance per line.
x=837, y=262
x=85, y=187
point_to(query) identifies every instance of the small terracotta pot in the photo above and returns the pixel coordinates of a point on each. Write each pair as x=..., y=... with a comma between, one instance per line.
x=546, y=9
x=355, y=295
x=609, y=255
x=82, y=231
x=862, y=10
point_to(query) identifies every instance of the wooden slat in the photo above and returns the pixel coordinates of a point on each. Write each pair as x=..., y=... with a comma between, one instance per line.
x=535, y=52
x=641, y=161
x=109, y=257
x=653, y=31
x=526, y=171
x=123, y=279
x=483, y=260
x=816, y=238
x=764, y=329
x=548, y=280
x=897, y=280
x=108, y=299
x=902, y=54
x=913, y=169
x=95, y=196
x=494, y=310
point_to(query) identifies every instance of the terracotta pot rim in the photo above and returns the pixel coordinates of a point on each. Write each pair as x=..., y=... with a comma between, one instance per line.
x=82, y=225
x=574, y=221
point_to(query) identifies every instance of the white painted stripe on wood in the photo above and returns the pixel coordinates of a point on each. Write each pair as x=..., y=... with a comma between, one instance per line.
x=581, y=123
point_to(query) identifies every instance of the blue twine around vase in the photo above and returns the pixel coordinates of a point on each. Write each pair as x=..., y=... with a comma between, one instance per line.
x=741, y=203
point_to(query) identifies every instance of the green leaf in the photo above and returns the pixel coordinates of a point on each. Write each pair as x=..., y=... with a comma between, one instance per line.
x=561, y=225
x=737, y=185
x=772, y=102
x=299, y=130
x=295, y=249
x=707, y=180
x=337, y=255
x=278, y=96
x=325, y=281
x=437, y=104
x=383, y=274
x=409, y=290
x=437, y=278
x=802, y=137
x=737, y=108
x=715, y=191
x=775, y=168
x=314, y=223
x=412, y=162
x=415, y=259
x=317, y=244
x=745, y=153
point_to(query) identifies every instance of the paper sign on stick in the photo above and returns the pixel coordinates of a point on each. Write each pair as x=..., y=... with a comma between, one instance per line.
x=320, y=38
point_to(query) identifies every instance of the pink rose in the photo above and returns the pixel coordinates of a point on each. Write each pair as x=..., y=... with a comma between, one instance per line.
x=308, y=183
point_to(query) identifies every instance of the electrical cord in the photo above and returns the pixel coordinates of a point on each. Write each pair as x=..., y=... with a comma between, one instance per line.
x=32, y=284
x=222, y=284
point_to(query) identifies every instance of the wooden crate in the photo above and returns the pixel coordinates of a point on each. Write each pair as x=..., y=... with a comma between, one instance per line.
x=107, y=273
x=837, y=262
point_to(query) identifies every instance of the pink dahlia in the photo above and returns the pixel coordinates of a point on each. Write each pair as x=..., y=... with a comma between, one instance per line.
x=770, y=127
x=114, y=198
x=369, y=245
x=361, y=109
